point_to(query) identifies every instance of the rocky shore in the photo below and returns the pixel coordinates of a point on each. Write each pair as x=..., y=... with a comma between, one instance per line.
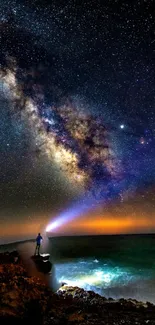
x=26, y=300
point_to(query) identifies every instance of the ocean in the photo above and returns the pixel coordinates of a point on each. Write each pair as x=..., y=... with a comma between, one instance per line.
x=121, y=266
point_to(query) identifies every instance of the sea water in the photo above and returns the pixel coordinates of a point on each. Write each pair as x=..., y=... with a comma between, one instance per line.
x=113, y=266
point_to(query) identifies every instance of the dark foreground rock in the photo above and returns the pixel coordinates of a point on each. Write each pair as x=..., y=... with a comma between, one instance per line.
x=26, y=300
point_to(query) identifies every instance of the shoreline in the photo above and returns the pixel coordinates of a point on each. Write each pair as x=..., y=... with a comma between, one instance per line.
x=59, y=236
x=140, y=288
x=26, y=298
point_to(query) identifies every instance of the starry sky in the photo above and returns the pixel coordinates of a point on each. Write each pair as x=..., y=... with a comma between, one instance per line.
x=77, y=114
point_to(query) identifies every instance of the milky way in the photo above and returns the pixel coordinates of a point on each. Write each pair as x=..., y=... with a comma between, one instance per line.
x=75, y=141
x=82, y=76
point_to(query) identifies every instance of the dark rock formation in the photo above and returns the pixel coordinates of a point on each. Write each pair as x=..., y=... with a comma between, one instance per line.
x=42, y=262
x=26, y=300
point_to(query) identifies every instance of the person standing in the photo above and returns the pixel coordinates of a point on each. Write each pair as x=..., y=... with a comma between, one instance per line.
x=38, y=243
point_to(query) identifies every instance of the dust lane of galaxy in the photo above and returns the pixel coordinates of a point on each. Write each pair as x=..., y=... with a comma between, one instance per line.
x=75, y=141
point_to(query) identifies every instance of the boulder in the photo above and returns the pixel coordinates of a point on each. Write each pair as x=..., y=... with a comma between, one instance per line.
x=42, y=262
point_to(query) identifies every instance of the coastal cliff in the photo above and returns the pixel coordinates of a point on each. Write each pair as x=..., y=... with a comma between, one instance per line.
x=27, y=300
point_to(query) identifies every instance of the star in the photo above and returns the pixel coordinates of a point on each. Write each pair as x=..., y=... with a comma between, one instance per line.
x=82, y=88
x=142, y=140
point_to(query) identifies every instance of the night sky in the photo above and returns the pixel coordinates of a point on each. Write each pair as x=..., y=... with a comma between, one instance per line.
x=77, y=102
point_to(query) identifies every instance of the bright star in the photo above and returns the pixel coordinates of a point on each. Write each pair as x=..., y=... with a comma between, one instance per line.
x=122, y=126
x=142, y=140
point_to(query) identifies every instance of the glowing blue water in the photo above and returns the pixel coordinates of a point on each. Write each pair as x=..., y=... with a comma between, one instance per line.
x=108, y=279
x=111, y=266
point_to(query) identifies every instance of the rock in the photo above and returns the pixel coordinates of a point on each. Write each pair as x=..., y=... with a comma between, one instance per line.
x=26, y=300
x=76, y=317
x=42, y=262
x=7, y=257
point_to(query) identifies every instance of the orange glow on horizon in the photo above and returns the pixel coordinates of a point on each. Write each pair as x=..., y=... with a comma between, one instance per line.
x=91, y=225
x=21, y=231
x=111, y=225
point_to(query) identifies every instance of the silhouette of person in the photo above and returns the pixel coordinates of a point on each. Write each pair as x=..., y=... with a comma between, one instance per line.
x=38, y=243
